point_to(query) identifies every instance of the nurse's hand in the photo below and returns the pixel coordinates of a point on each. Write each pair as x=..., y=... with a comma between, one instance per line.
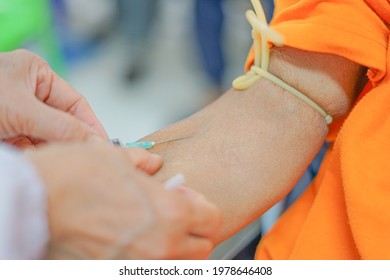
x=101, y=206
x=37, y=105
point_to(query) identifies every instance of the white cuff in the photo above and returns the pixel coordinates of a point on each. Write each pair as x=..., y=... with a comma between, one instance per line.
x=24, y=229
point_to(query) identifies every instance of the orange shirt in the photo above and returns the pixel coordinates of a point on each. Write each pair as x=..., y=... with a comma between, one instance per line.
x=345, y=213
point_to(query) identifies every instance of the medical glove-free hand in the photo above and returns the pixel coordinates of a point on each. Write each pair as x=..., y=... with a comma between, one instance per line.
x=101, y=206
x=37, y=105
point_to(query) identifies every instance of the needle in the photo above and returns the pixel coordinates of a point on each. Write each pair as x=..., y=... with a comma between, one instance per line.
x=149, y=144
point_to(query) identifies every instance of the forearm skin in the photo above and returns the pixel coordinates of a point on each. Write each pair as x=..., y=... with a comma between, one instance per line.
x=249, y=148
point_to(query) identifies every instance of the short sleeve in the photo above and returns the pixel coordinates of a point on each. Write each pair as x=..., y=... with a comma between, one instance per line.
x=352, y=29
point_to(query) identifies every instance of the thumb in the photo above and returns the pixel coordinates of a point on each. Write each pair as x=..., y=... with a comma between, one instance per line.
x=52, y=125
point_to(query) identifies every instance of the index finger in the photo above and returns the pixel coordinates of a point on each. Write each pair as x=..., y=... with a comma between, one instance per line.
x=144, y=160
x=62, y=96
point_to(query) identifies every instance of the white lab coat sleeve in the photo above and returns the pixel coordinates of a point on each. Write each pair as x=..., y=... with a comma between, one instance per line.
x=24, y=229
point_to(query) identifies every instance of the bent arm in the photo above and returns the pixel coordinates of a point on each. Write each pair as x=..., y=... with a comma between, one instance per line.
x=249, y=148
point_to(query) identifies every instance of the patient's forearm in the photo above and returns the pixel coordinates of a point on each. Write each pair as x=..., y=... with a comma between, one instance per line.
x=244, y=153
x=248, y=149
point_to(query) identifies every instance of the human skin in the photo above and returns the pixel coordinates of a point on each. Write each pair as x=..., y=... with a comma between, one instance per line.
x=36, y=105
x=249, y=148
x=99, y=203
x=102, y=204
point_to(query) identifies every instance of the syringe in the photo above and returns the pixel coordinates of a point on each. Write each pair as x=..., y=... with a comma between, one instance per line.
x=143, y=144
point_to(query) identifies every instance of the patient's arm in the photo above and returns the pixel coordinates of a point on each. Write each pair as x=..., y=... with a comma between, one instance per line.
x=248, y=149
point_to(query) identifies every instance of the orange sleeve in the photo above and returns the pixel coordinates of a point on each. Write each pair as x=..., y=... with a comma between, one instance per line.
x=349, y=28
x=353, y=29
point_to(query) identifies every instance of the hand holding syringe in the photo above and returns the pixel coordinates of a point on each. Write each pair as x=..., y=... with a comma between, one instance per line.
x=175, y=181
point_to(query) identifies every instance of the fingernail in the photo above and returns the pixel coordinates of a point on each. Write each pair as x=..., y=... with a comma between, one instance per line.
x=95, y=139
x=175, y=182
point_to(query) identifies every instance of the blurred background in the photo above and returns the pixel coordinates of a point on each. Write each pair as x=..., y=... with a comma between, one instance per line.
x=141, y=64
